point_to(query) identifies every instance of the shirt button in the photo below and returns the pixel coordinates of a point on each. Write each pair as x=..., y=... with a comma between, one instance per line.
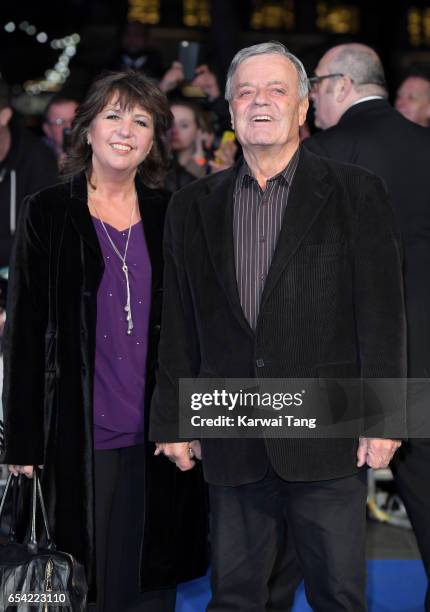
x=263, y=239
x=262, y=277
x=260, y=363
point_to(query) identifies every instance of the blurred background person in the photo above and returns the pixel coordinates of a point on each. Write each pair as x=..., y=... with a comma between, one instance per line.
x=80, y=354
x=205, y=83
x=191, y=138
x=136, y=51
x=413, y=99
x=59, y=115
x=26, y=165
x=195, y=149
x=359, y=126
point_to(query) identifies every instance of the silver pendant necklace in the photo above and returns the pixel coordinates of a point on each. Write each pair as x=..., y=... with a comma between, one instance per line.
x=124, y=268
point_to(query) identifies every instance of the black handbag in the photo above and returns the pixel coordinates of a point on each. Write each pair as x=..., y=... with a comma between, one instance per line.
x=35, y=578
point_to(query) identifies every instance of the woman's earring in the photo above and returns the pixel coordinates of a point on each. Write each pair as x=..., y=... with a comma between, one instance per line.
x=88, y=141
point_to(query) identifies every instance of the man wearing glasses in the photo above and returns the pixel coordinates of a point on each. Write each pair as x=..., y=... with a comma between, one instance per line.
x=59, y=115
x=359, y=126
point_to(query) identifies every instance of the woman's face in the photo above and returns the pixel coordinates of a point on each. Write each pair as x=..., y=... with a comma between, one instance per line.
x=184, y=129
x=120, y=139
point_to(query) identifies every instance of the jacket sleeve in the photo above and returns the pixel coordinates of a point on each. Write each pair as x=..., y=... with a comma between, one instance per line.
x=24, y=340
x=380, y=313
x=178, y=353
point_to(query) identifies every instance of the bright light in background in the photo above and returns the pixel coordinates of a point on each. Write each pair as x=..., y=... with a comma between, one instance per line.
x=54, y=77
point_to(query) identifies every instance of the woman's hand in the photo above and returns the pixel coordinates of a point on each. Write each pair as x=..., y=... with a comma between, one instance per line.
x=27, y=470
x=199, y=151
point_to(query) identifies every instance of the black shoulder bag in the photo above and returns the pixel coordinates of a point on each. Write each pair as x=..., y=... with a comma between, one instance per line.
x=33, y=578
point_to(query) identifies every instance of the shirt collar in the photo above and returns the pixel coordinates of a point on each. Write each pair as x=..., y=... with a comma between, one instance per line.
x=366, y=99
x=287, y=174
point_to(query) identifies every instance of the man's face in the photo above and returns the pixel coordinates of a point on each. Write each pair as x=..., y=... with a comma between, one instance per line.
x=265, y=107
x=59, y=118
x=323, y=96
x=413, y=100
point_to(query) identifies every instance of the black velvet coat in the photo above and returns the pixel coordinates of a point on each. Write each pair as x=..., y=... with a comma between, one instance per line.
x=332, y=306
x=48, y=385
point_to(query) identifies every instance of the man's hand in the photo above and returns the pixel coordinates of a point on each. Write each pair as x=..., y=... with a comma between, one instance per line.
x=180, y=453
x=172, y=78
x=376, y=452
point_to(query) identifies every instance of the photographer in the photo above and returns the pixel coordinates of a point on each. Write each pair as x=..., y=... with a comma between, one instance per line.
x=59, y=115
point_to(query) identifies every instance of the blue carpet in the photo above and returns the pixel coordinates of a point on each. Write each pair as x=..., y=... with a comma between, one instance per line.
x=393, y=586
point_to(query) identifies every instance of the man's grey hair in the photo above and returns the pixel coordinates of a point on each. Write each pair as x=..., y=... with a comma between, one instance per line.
x=363, y=65
x=267, y=48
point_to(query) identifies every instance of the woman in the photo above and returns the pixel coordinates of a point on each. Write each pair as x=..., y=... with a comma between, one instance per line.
x=190, y=138
x=80, y=352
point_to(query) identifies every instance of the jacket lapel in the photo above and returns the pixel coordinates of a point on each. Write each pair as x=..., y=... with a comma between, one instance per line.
x=216, y=210
x=309, y=193
x=152, y=208
x=80, y=215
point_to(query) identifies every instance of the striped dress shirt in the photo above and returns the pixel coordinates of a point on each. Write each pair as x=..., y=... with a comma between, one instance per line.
x=257, y=221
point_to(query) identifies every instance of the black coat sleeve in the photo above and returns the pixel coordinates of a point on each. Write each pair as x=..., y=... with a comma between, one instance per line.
x=380, y=313
x=178, y=353
x=24, y=340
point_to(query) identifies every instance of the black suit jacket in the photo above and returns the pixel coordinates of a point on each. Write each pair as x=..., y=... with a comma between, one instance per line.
x=375, y=136
x=332, y=306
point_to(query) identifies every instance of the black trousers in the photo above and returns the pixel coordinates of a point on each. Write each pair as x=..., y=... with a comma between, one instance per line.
x=119, y=494
x=251, y=568
x=411, y=469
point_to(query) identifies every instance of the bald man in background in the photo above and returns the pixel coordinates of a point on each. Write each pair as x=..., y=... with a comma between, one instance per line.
x=359, y=126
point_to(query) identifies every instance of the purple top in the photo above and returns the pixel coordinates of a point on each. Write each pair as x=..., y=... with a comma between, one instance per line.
x=120, y=364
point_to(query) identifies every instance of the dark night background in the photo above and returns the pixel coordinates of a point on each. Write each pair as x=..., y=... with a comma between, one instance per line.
x=382, y=24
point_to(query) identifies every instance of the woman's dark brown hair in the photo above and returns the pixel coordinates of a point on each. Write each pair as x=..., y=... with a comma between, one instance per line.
x=130, y=89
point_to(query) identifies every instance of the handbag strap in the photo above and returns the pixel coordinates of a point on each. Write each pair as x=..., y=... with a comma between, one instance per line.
x=49, y=541
x=33, y=545
x=12, y=483
x=5, y=492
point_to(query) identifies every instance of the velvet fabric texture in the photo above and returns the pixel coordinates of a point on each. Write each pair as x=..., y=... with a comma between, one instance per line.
x=332, y=306
x=49, y=350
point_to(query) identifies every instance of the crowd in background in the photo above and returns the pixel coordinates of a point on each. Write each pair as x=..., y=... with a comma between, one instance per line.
x=200, y=139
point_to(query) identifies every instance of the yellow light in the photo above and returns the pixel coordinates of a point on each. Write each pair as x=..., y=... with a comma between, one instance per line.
x=144, y=11
x=338, y=19
x=273, y=15
x=196, y=13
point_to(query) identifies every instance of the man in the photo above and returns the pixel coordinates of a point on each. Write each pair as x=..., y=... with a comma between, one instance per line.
x=136, y=51
x=360, y=127
x=26, y=165
x=413, y=99
x=59, y=115
x=262, y=261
